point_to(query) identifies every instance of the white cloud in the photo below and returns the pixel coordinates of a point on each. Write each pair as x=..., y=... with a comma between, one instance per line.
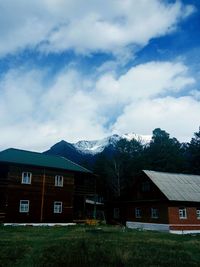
x=143, y=81
x=178, y=116
x=143, y=93
x=85, y=26
x=35, y=114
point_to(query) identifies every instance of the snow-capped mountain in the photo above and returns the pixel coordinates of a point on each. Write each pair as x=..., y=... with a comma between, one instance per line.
x=144, y=139
x=87, y=151
x=97, y=146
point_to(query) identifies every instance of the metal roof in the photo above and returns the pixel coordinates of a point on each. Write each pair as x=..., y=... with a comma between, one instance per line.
x=18, y=156
x=176, y=187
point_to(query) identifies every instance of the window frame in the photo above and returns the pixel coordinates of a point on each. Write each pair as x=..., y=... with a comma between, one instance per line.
x=59, y=183
x=198, y=213
x=154, y=213
x=138, y=212
x=24, y=178
x=24, y=205
x=182, y=210
x=57, y=210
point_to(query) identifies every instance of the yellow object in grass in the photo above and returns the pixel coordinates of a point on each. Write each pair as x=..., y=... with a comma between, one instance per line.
x=92, y=222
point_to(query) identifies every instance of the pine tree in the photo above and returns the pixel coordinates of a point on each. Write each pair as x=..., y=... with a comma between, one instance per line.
x=164, y=153
x=194, y=153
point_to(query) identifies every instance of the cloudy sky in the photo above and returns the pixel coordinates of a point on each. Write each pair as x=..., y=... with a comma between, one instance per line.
x=77, y=70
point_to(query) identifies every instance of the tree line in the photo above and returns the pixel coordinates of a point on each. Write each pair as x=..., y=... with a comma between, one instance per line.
x=117, y=172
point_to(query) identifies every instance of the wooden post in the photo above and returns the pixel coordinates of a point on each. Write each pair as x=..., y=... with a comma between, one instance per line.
x=42, y=200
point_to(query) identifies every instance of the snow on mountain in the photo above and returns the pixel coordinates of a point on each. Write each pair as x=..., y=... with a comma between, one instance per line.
x=97, y=146
x=144, y=139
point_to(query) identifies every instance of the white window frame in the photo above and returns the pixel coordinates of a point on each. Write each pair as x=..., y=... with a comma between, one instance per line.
x=182, y=213
x=24, y=207
x=198, y=213
x=57, y=208
x=138, y=213
x=59, y=180
x=26, y=177
x=154, y=213
x=116, y=213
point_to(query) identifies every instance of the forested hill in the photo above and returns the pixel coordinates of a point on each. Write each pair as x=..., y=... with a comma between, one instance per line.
x=86, y=152
x=163, y=153
x=117, y=164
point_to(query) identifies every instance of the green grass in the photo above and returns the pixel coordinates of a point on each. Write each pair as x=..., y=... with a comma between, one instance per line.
x=77, y=246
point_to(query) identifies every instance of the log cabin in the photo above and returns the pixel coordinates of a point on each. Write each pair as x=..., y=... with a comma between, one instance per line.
x=40, y=188
x=162, y=201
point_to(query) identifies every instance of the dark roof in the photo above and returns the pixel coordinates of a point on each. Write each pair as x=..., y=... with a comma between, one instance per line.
x=24, y=157
x=177, y=186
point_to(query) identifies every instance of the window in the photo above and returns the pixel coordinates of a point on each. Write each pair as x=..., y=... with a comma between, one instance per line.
x=59, y=180
x=182, y=213
x=146, y=186
x=26, y=177
x=24, y=206
x=138, y=213
x=116, y=213
x=57, y=207
x=198, y=213
x=154, y=213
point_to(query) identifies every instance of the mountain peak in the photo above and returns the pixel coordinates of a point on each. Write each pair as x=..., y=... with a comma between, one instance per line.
x=87, y=150
x=97, y=146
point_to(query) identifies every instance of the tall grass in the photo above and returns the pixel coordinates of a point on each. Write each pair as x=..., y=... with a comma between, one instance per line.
x=91, y=247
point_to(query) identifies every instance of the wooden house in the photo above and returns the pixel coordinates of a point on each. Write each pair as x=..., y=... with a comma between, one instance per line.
x=162, y=201
x=39, y=188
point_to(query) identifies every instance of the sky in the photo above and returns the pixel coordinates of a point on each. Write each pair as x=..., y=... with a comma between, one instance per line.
x=83, y=70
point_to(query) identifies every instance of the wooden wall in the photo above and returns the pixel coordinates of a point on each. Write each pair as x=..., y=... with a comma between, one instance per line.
x=42, y=193
x=3, y=191
x=146, y=212
x=84, y=187
x=143, y=199
x=168, y=211
x=189, y=223
x=33, y=192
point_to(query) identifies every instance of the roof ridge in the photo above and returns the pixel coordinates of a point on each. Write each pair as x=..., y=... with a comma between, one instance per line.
x=19, y=149
x=176, y=187
x=173, y=173
x=75, y=163
x=21, y=155
x=36, y=152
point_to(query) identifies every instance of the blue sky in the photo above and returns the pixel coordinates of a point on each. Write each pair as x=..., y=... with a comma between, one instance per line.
x=77, y=70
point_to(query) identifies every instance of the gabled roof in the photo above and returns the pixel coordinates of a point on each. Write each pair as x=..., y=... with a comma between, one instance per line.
x=177, y=187
x=24, y=157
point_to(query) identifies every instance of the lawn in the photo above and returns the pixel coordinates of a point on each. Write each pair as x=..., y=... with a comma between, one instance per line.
x=86, y=246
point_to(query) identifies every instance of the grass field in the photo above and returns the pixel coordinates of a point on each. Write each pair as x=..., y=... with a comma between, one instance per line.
x=77, y=246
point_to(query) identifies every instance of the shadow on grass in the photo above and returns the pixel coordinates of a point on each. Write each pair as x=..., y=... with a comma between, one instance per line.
x=100, y=253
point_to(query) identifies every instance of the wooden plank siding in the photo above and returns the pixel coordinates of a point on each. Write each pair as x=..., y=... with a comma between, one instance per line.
x=3, y=191
x=42, y=193
x=190, y=222
x=16, y=191
x=35, y=187
x=144, y=195
x=155, y=210
x=146, y=212
x=84, y=187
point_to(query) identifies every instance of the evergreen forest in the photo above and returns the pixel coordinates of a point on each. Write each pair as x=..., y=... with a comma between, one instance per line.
x=116, y=173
